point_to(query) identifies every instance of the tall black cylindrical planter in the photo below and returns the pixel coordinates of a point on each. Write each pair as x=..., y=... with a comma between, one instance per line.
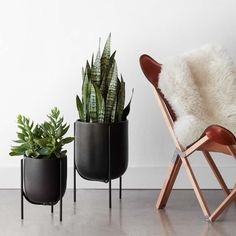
x=101, y=151
x=43, y=181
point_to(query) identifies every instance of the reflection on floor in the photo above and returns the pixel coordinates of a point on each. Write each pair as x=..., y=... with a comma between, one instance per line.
x=134, y=215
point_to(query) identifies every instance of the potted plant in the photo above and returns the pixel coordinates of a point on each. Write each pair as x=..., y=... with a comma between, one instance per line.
x=101, y=133
x=44, y=166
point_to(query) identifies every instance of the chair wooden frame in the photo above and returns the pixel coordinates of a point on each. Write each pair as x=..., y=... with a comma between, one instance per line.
x=214, y=139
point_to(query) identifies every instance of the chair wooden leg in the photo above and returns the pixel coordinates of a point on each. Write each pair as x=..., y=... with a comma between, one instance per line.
x=168, y=185
x=196, y=187
x=216, y=172
x=223, y=206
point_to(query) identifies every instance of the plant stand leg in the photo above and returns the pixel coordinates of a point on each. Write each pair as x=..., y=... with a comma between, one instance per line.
x=74, y=170
x=109, y=163
x=109, y=193
x=22, y=195
x=60, y=190
x=120, y=190
x=52, y=208
x=74, y=183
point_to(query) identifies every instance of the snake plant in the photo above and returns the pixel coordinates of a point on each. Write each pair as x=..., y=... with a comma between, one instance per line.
x=103, y=92
x=42, y=140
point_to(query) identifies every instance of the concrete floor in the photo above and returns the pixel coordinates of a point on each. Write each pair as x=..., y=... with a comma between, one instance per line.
x=134, y=215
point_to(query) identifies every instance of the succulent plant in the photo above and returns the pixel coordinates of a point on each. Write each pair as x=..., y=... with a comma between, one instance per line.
x=44, y=140
x=103, y=92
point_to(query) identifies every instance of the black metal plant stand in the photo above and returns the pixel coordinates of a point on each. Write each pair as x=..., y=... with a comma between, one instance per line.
x=109, y=172
x=23, y=195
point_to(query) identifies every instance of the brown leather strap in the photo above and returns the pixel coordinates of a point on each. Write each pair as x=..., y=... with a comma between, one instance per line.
x=151, y=70
x=220, y=135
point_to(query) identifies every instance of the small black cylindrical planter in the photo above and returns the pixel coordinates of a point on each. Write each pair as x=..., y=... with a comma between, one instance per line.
x=101, y=151
x=43, y=181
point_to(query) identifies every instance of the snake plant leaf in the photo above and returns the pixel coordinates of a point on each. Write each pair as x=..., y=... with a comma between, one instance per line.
x=86, y=87
x=111, y=97
x=120, y=100
x=96, y=69
x=92, y=60
x=113, y=113
x=88, y=70
x=93, y=104
x=103, y=94
x=127, y=108
x=108, y=76
x=112, y=69
x=88, y=101
x=106, y=54
x=83, y=73
x=80, y=108
x=100, y=104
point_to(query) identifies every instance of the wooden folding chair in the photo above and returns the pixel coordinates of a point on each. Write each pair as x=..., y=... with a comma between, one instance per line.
x=214, y=139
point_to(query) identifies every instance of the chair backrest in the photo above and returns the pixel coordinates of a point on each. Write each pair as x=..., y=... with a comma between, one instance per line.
x=151, y=70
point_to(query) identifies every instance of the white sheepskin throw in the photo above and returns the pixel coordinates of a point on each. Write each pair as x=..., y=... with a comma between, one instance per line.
x=201, y=88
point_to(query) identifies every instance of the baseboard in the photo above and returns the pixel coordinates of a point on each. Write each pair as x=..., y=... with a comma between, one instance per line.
x=134, y=178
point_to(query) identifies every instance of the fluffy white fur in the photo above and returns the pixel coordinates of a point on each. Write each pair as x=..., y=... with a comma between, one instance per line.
x=201, y=88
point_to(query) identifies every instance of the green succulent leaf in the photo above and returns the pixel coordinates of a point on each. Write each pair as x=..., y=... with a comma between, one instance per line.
x=67, y=140
x=44, y=151
x=41, y=140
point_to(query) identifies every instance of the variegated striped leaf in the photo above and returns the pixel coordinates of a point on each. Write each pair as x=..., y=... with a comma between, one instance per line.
x=120, y=100
x=88, y=70
x=96, y=69
x=113, y=113
x=84, y=94
x=83, y=73
x=86, y=88
x=127, y=108
x=93, y=104
x=100, y=105
x=112, y=69
x=108, y=76
x=88, y=101
x=92, y=60
x=111, y=96
x=80, y=108
x=106, y=54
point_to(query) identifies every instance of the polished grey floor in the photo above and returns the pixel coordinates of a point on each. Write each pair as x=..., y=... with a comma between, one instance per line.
x=134, y=215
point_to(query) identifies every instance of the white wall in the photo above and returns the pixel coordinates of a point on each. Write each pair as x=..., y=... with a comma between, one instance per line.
x=44, y=44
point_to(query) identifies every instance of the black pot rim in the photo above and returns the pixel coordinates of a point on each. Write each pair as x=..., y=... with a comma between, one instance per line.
x=102, y=124
x=44, y=159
